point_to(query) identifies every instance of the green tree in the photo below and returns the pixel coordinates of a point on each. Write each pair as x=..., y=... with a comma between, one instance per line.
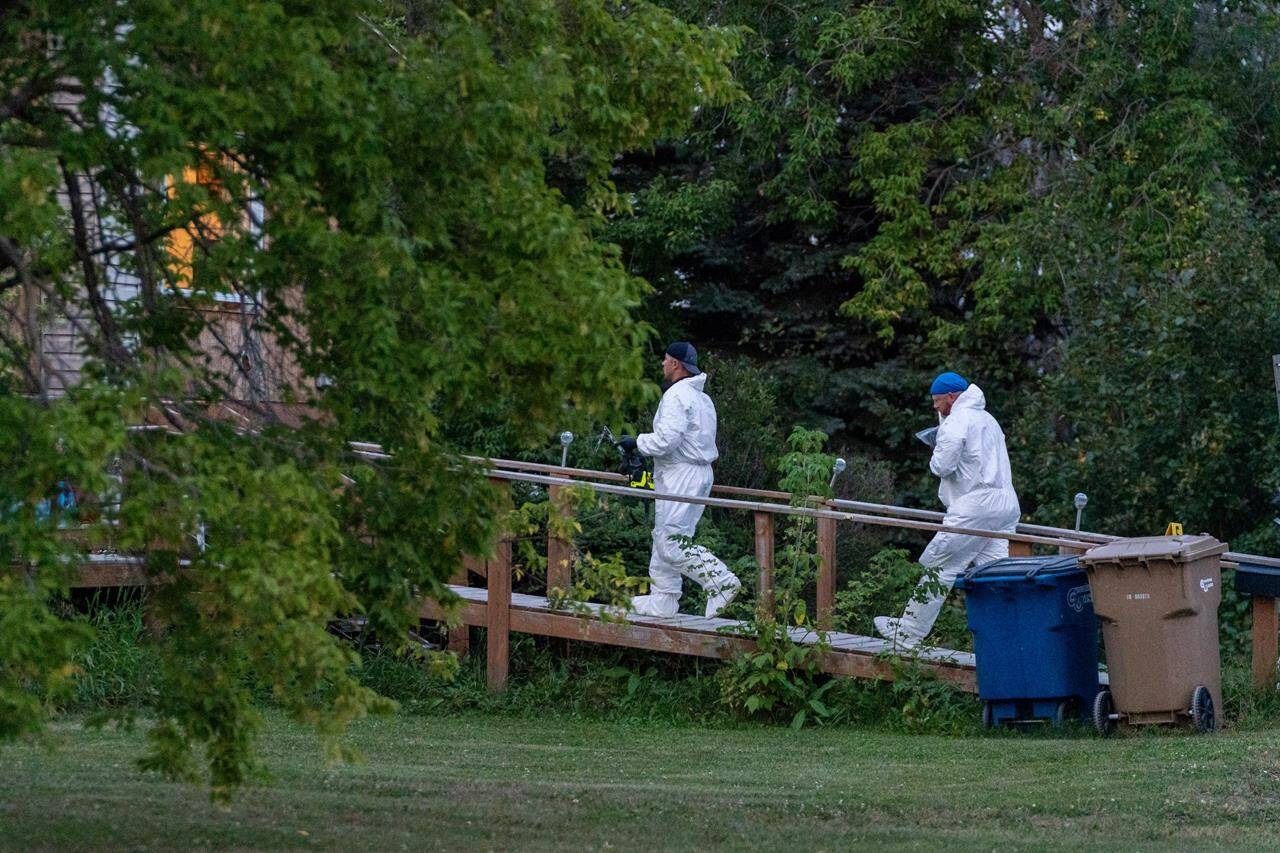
x=399, y=200
x=1072, y=203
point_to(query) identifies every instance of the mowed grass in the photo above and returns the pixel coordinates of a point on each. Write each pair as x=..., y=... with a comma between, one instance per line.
x=491, y=782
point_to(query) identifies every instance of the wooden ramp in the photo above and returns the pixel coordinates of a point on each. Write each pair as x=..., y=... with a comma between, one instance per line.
x=849, y=654
x=500, y=611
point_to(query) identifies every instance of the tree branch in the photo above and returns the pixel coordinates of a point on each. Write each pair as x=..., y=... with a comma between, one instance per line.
x=19, y=99
x=113, y=348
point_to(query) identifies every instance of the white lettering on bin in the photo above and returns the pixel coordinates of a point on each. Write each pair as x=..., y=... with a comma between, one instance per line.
x=1078, y=597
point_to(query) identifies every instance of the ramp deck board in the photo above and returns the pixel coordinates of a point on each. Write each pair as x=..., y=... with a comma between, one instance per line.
x=848, y=654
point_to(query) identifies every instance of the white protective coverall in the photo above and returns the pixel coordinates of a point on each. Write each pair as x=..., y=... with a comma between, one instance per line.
x=683, y=446
x=977, y=490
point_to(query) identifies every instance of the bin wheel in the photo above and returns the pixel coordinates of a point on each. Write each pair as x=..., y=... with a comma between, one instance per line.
x=1202, y=710
x=988, y=716
x=1067, y=710
x=1103, y=708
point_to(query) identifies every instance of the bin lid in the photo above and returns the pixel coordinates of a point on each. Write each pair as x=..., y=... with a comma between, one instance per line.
x=1178, y=549
x=1013, y=568
x=1258, y=580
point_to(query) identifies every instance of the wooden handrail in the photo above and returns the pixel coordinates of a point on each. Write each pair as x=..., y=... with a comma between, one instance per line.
x=786, y=509
x=934, y=515
x=1035, y=534
x=774, y=495
x=544, y=468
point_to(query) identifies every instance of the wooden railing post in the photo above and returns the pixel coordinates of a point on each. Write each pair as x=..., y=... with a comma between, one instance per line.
x=826, y=572
x=498, y=617
x=1265, y=630
x=764, y=559
x=559, y=551
x=498, y=612
x=460, y=635
x=1019, y=549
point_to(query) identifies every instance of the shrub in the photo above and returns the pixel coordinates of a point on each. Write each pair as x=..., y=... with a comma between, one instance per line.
x=781, y=679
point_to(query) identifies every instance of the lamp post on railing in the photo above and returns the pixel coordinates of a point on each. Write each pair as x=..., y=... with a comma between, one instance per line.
x=566, y=439
x=836, y=469
x=826, y=530
x=1081, y=501
x=559, y=551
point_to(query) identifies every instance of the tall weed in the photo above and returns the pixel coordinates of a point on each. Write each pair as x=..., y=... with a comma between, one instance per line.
x=120, y=667
x=782, y=678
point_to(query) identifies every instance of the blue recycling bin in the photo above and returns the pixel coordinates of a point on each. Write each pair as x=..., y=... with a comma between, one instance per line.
x=1035, y=638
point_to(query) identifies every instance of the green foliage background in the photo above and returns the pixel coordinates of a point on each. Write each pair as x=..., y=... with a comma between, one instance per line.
x=1073, y=205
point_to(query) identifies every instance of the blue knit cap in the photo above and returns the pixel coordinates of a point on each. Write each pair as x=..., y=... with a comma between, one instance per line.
x=949, y=383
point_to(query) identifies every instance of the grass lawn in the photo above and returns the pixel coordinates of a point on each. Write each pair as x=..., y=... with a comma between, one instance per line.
x=490, y=782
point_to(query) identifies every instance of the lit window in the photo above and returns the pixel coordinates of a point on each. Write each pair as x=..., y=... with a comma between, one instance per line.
x=182, y=242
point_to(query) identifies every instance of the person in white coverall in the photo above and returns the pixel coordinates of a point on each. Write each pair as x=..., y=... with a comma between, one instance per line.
x=971, y=458
x=683, y=446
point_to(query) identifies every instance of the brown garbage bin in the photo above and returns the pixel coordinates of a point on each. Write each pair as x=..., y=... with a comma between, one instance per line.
x=1157, y=599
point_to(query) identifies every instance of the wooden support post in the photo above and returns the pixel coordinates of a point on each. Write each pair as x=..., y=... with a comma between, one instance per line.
x=460, y=634
x=497, y=575
x=1019, y=549
x=460, y=639
x=559, y=551
x=764, y=559
x=826, y=572
x=1265, y=631
x=498, y=621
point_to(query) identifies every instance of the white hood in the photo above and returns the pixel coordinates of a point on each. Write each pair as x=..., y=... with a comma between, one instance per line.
x=970, y=454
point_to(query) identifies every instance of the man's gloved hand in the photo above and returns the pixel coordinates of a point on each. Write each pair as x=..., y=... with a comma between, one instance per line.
x=627, y=443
